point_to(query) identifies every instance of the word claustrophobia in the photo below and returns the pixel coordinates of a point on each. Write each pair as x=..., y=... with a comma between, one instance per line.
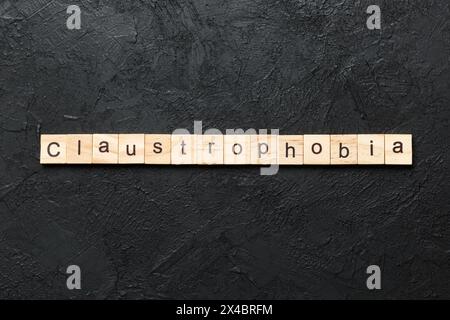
x=236, y=149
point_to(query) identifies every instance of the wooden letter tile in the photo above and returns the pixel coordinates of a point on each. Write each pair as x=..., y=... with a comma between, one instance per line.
x=183, y=149
x=217, y=149
x=370, y=148
x=344, y=149
x=105, y=148
x=53, y=148
x=398, y=149
x=290, y=150
x=157, y=148
x=131, y=148
x=264, y=149
x=79, y=148
x=209, y=149
x=317, y=149
x=236, y=149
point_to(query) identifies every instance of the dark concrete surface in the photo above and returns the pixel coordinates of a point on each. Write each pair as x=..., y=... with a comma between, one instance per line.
x=224, y=232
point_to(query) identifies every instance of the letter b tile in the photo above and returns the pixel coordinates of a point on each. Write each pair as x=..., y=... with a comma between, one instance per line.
x=344, y=149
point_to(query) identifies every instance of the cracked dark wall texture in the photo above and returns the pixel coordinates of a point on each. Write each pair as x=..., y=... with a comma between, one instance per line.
x=224, y=232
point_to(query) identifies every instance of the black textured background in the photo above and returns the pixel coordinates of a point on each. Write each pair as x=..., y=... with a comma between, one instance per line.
x=303, y=66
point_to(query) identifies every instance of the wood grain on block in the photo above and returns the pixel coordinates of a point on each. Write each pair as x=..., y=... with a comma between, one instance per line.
x=183, y=149
x=209, y=149
x=157, y=148
x=344, y=149
x=317, y=149
x=398, y=149
x=131, y=148
x=370, y=148
x=53, y=148
x=290, y=149
x=263, y=149
x=236, y=149
x=105, y=148
x=79, y=148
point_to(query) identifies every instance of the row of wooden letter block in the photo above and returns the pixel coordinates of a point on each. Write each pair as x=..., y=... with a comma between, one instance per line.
x=348, y=149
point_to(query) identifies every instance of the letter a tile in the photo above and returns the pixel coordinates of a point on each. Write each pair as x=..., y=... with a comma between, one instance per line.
x=105, y=148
